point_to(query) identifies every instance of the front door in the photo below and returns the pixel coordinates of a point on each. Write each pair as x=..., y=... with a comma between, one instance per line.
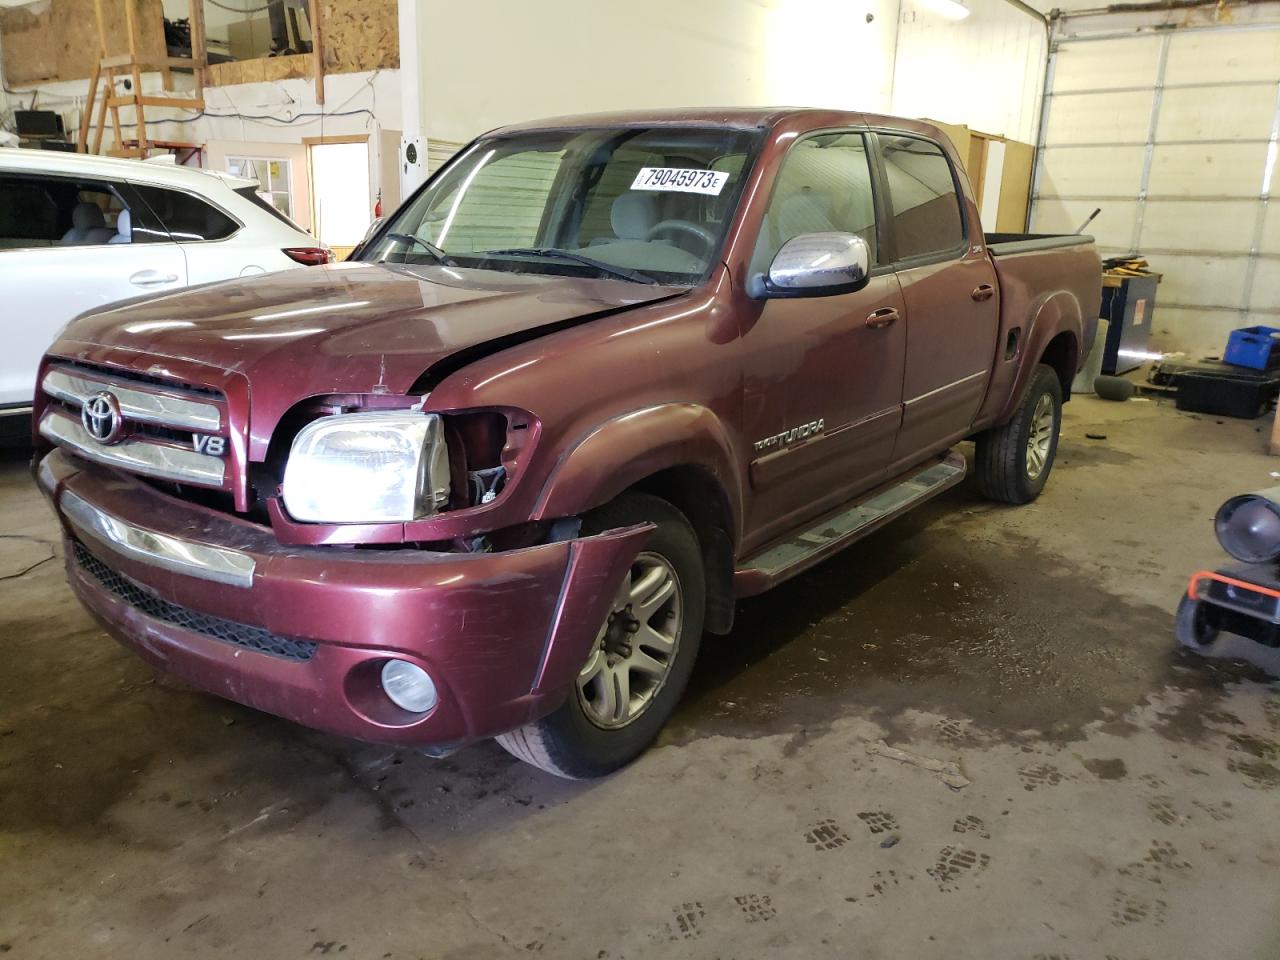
x=949, y=285
x=823, y=384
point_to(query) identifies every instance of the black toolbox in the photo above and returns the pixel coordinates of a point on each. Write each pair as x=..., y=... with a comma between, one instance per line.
x=1235, y=394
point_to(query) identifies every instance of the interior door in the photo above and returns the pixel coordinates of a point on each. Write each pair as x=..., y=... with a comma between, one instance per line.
x=60, y=258
x=823, y=384
x=949, y=286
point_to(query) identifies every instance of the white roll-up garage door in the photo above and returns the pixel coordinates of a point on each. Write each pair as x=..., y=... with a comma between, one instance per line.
x=1173, y=133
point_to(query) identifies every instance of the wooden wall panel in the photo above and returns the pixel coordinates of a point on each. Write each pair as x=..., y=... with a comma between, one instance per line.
x=58, y=39
x=359, y=35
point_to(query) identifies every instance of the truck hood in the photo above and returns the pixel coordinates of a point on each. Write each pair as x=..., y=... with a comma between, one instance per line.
x=346, y=328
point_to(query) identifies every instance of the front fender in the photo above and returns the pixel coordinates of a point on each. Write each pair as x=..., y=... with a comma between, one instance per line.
x=622, y=451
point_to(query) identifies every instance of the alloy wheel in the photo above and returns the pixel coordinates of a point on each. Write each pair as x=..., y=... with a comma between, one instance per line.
x=636, y=645
x=1041, y=436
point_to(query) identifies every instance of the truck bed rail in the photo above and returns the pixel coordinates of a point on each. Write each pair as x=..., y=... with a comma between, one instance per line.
x=1007, y=244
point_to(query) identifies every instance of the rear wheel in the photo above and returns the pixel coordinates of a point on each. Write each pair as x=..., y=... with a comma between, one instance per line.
x=1013, y=460
x=644, y=651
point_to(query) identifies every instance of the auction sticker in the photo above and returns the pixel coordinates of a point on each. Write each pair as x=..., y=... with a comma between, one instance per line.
x=680, y=180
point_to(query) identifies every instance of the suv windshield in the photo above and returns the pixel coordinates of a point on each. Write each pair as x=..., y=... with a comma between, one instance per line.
x=644, y=204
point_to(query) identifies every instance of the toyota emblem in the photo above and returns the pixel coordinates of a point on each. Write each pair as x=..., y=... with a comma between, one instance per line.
x=100, y=416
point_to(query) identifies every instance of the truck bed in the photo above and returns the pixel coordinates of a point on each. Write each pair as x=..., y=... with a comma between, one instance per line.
x=1006, y=244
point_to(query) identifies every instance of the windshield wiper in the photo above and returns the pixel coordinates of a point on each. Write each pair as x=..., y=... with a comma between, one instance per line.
x=439, y=255
x=552, y=252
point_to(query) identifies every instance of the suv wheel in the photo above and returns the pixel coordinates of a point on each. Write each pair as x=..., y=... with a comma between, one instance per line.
x=1013, y=460
x=640, y=663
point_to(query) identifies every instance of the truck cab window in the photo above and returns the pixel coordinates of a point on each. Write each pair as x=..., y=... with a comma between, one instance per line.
x=922, y=192
x=824, y=185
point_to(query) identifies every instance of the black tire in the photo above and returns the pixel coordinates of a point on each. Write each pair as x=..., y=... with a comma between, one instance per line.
x=1192, y=627
x=1001, y=462
x=568, y=742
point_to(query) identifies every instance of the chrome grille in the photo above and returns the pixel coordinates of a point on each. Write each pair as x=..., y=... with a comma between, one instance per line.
x=174, y=407
x=216, y=628
x=153, y=419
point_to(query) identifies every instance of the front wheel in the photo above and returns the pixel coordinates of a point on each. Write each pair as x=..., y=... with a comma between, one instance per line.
x=1192, y=625
x=639, y=665
x=1013, y=460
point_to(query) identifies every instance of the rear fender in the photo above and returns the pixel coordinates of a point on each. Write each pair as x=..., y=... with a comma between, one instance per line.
x=620, y=452
x=1057, y=313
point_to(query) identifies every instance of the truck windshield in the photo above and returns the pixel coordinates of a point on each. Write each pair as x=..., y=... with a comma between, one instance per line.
x=647, y=204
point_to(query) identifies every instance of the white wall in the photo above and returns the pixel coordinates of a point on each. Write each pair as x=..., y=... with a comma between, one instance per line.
x=490, y=62
x=985, y=71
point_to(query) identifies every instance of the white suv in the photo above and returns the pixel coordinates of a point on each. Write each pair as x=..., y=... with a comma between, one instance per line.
x=77, y=232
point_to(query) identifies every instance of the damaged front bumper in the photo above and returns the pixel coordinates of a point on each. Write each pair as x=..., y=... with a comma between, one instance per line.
x=303, y=632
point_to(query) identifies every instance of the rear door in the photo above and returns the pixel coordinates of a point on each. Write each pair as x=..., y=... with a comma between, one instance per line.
x=214, y=241
x=823, y=376
x=68, y=245
x=949, y=286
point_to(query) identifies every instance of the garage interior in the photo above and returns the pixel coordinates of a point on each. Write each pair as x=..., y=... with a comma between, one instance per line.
x=972, y=734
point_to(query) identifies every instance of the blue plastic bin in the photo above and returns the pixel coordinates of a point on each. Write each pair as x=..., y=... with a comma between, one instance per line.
x=1252, y=347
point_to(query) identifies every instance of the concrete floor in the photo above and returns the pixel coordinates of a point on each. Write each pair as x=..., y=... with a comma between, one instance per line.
x=1122, y=801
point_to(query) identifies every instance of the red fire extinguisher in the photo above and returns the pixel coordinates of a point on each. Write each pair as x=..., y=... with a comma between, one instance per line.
x=377, y=207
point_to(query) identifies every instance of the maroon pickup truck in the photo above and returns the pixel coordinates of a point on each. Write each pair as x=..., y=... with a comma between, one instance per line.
x=596, y=380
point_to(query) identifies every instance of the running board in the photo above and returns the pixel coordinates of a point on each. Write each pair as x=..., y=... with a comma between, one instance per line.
x=838, y=530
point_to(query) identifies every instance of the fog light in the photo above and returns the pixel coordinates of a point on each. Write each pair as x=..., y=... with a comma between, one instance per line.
x=408, y=686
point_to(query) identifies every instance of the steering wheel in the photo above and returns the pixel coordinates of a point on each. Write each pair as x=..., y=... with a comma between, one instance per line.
x=683, y=226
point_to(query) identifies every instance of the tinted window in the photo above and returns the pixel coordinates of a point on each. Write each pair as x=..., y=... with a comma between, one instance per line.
x=40, y=211
x=28, y=215
x=922, y=191
x=824, y=185
x=187, y=218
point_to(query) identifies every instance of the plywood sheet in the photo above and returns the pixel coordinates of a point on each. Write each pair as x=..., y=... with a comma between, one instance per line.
x=263, y=70
x=359, y=35
x=58, y=39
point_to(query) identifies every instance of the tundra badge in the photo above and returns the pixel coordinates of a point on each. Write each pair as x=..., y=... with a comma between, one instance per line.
x=788, y=437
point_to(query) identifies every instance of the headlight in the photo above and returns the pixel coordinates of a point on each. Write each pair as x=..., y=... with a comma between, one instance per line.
x=367, y=467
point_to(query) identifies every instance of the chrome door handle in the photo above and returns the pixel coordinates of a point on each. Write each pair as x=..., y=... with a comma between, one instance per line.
x=882, y=317
x=983, y=291
x=151, y=278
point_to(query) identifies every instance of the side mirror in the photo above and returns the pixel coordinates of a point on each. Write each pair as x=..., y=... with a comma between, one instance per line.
x=815, y=265
x=373, y=228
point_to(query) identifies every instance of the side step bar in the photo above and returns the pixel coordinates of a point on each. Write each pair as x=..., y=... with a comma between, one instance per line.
x=804, y=549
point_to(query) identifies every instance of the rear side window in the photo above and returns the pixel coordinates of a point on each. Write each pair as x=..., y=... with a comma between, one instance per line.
x=187, y=218
x=824, y=186
x=922, y=193
x=258, y=200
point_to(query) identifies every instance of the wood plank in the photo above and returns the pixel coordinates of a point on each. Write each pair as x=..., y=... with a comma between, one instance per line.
x=317, y=47
x=178, y=103
x=199, y=45
x=86, y=115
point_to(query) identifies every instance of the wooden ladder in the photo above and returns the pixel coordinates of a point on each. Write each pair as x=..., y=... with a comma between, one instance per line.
x=108, y=69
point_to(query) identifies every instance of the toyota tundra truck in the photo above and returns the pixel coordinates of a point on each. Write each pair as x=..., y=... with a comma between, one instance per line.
x=596, y=380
